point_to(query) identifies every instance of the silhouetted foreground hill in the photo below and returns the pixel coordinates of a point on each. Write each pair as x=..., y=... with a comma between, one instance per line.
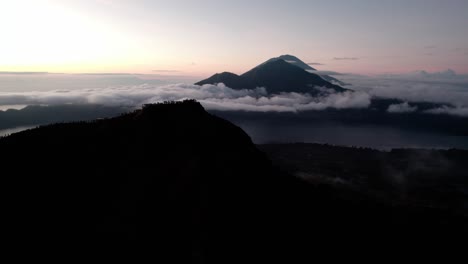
x=176, y=184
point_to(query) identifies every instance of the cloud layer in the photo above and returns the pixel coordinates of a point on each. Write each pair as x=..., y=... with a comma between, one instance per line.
x=401, y=108
x=445, y=87
x=217, y=97
x=458, y=111
x=439, y=87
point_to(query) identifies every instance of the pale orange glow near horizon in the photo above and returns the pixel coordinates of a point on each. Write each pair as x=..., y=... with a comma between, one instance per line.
x=148, y=37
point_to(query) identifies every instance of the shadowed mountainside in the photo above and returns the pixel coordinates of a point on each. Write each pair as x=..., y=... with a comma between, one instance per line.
x=173, y=182
x=276, y=75
x=293, y=60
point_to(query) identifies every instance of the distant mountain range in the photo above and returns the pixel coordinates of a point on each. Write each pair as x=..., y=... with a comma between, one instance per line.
x=41, y=114
x=282, y=74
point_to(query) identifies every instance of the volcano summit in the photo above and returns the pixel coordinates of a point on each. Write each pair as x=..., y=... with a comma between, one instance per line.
x=282, y=74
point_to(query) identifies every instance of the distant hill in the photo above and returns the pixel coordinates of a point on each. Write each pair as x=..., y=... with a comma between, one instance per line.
x=38, y=114
x=277, y=76
x=229, y=79
x=175, y=184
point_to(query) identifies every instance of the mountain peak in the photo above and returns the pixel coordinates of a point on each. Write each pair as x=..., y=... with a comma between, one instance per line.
x=288, y=57
x=278, y=75
x=281, y=66
x=285, y=73
x=294, y=61
x=225, y=73
x=275, y=61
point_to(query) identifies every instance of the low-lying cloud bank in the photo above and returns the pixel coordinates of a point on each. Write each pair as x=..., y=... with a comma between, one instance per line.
x=458, y=111
x=217, y=97
x=446, y=87
x=401, y=108
x=290, y=102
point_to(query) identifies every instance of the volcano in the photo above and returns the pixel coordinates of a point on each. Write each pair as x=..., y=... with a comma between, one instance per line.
x=277, y=75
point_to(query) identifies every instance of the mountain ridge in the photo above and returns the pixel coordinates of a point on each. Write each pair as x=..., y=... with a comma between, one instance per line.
x=277, y=76
x=174, y=183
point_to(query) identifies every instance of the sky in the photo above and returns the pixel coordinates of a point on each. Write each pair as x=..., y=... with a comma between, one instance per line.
x=199, y=38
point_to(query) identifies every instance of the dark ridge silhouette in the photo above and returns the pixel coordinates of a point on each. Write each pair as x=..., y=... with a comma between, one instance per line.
x=229, y=79
x=277, y=76
x=175, y=184
x=34, y=115
x=38, y=114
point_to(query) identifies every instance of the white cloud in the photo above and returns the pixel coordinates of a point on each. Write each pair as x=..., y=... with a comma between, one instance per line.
x=458, y=111
x=434, y=90
x=211, y=96
x=290, y=102
x=446, y=75
x=401, y=108
x=437, y=90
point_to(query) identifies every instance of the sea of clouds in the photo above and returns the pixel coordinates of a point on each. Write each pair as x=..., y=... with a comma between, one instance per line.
x=218, y=97
x=450, y=88
x=440, y=87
